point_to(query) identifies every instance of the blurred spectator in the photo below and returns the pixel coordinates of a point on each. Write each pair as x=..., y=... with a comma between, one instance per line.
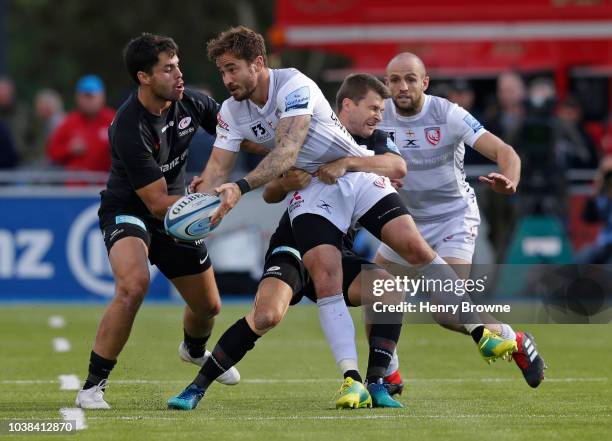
x=599, y=209
x=49, y=113
x=80, y=142
x=575, y=147
x=8, y=156
x=14, y=115
x=543, y=179
x=461, y=93
x=505, y=119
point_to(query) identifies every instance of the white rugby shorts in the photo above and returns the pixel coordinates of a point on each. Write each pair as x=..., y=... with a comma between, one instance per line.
x=449, y=237
x=342, y=203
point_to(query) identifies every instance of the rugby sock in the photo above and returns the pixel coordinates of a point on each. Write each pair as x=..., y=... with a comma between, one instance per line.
x=477, y=332
x=393, y=365
x=383, y=339
x=231, y=348
x=339, y=331
x=195, y=345
x=507, y=332
x=354, y=375
x=99, y=369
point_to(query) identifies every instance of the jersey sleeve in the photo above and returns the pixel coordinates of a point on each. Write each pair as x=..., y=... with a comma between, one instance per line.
x=297, y=97
x=136, y=155
x=228, y=136
x=464, y=126
x=207, y=109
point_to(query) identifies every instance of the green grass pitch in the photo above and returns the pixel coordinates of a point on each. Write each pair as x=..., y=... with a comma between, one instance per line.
x=289, y=381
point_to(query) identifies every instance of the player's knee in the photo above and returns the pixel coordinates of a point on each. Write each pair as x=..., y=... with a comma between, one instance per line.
x=213, y=309
x=132, y=290
x=267, y=319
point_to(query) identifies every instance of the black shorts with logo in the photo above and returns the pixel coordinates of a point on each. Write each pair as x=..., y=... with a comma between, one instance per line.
x=173, y=258
x=284, y=262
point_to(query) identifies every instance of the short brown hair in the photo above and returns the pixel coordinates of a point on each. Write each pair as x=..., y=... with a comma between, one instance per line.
x=241, y=42
x=356, y=86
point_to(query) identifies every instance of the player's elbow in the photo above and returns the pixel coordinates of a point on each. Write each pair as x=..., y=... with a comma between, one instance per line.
x=271, y=197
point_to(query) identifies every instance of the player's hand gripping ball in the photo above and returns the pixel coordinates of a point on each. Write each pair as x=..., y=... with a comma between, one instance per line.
x=189, y=218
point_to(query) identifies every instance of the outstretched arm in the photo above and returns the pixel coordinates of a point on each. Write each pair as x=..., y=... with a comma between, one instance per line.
x=507, y=160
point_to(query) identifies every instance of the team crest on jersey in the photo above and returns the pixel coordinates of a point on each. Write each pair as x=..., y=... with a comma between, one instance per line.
x=381, y=182
x=433, y=135
x=324, y=206
x=184, y=123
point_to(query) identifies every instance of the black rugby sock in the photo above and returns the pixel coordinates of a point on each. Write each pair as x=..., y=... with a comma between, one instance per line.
x=383, y=340
x=354, y=375
x=99, y=369
x=195, y=345
x=231, y=348
x=477, y=333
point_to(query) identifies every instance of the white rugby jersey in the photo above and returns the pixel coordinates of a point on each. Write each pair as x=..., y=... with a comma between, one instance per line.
x=291, y=93
x=432, y=144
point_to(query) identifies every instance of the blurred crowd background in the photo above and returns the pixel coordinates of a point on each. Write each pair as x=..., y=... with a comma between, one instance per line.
x=540, y=78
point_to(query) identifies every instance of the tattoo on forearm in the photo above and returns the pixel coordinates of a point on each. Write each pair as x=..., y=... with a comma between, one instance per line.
x=290, y=135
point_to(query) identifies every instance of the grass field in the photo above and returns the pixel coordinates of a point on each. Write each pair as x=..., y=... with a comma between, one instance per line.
x=289, y=381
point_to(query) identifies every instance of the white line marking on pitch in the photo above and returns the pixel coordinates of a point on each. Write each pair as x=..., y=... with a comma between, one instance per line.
x=69, y=382
x=56, y=322
x=61, y=344
x=334, y=380
x=74, y=414
x=341, y=417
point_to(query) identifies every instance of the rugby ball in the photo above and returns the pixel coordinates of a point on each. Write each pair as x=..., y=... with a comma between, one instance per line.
x=188, y=218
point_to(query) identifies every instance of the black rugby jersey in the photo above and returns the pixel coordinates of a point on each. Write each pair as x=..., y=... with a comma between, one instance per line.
x=145, y=147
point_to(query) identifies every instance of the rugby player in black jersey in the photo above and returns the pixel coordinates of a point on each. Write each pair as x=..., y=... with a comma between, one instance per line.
x=285, y=280
x=149, y=138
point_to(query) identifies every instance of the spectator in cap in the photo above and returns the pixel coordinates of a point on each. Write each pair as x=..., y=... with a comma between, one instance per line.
x=80, y=142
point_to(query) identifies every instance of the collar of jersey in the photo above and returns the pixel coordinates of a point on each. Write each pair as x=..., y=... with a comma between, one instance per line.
x=418, y=115
x=262, y=110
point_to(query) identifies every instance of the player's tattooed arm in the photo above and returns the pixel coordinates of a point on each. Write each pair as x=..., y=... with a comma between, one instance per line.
x=290, y=135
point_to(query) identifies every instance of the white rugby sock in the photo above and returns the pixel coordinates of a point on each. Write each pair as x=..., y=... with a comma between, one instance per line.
x=507, y=332
x=339, y=330
x=393, y=365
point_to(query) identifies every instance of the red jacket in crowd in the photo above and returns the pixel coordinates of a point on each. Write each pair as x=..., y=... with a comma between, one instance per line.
x=81, y=143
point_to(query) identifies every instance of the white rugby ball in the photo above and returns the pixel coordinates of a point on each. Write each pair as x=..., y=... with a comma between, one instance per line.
x=189, y=218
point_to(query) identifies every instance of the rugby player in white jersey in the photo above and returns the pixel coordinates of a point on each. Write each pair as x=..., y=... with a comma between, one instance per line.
x=431, y=133
x=285, y=280
x=286, y=111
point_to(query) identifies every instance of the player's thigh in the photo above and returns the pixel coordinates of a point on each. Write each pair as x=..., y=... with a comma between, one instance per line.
x=320, y=241
x=200, y=292
x=128, y=260
x=402, y=236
